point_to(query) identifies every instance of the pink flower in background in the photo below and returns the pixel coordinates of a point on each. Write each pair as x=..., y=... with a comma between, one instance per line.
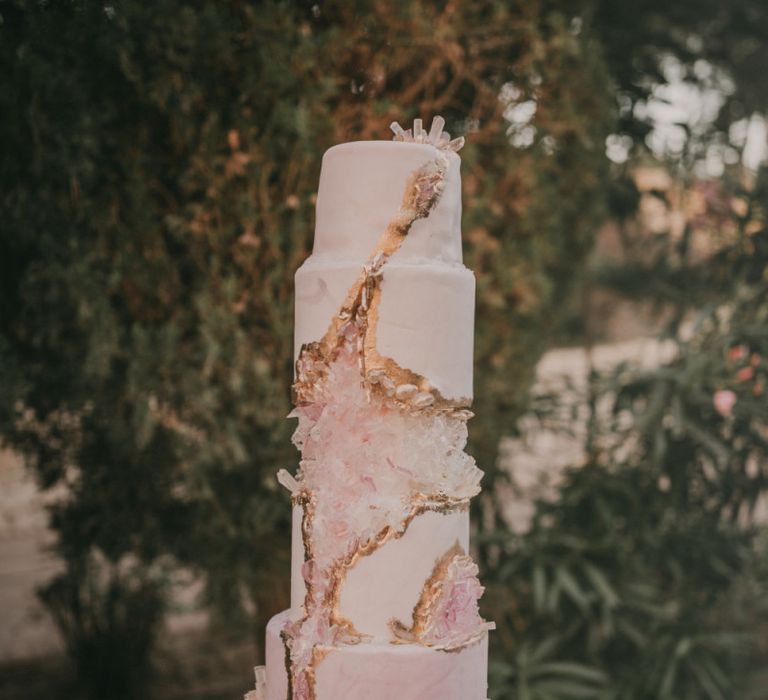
x=745, y=374
x=724, y=401
x=737, y=352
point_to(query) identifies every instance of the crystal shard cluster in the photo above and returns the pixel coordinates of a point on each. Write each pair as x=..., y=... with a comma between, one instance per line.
x=436, y=136
x=381, y=447
x=369, y=460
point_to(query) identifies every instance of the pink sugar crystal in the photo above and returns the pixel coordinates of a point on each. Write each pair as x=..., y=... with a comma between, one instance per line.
x=455, y=617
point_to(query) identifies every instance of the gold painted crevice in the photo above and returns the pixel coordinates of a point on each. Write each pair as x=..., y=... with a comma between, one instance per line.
x=288, y=665
x=421, y=503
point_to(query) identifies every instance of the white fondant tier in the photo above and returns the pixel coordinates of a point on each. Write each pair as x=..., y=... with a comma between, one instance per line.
x=361, y=189
x=426, y=316
x=380, y=671
x=387, y=584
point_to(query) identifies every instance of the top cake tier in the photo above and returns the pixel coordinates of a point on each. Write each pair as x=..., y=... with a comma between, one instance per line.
x=361, y=186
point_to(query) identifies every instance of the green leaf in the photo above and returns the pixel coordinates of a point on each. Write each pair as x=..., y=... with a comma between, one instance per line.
x=572, y=588
x=539, y=587
x=564, y=689
x=600, y=582
x=543, y=650
x=706, y=680
x=571, y=669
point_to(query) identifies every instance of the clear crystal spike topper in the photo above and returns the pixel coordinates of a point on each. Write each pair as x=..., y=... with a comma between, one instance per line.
x=436, y=136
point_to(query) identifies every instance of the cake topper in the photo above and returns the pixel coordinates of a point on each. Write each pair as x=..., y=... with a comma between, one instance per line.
x=436, y=136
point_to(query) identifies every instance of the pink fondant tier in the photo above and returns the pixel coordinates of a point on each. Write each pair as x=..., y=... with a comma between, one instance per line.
x=381, y=671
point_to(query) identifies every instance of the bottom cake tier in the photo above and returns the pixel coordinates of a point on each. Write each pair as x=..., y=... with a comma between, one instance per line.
x=383, y=671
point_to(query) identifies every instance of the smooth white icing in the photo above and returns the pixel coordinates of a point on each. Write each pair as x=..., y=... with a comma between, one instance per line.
x=426, y=324
x=361, y=188
x=298, y=587
x=384, y=671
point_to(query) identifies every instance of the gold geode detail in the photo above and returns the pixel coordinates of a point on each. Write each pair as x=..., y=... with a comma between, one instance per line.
x=423, y=611
x=430, y=594
x=337, y=573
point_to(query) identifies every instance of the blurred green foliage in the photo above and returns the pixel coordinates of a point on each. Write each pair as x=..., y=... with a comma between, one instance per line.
x=645, y=576
x=648, y=574
x=161, y=161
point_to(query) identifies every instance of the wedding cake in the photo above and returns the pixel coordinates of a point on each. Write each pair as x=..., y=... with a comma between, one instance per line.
x=384, y=596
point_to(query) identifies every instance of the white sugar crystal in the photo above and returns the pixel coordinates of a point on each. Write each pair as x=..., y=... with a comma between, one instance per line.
x=422, y=400
x=418, y=131
x=436, y=136
x=375, y=375
x=285, y=479
x=405, y=391
x=397, y=130
x=260, y=672
x=388, y=385
x=436, y=129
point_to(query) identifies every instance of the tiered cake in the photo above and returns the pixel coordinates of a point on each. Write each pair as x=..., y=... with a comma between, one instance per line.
x=383, y=593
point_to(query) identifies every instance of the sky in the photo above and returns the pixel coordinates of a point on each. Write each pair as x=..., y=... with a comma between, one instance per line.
x=675, y=108
x=681, y=103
